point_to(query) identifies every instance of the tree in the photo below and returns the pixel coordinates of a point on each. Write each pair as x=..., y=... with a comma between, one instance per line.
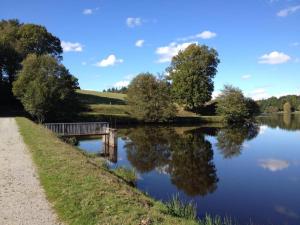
x=192, y=72
x=149, y=98
x=46, y=88
x=233, y=106
x=17, y=40
x=287, y=108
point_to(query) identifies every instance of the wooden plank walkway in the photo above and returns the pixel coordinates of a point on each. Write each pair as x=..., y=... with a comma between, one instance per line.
x=79, y=129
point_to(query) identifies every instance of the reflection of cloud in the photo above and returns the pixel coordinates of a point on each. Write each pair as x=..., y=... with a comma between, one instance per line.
x=286, y=212
x=262, y=129
x=274, y=164
x=163, y=169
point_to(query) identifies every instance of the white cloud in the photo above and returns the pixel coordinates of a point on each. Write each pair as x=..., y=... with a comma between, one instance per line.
x=167, y=52
x=139, y=43
x=83, y=63
x=295, y=44
x=246, y=76
x=71, y=47
x=133, y=22
x=287, y=11
x=203, y=35
x=259, y=93
x=274, y=58
x=120, y=84
x=111, y=60
x=274, y=165
x=87, y=11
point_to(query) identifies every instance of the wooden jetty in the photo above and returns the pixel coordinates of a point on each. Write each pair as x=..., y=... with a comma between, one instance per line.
x=85, y=129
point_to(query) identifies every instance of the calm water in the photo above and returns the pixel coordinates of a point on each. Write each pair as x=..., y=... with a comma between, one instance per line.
x=242, y=173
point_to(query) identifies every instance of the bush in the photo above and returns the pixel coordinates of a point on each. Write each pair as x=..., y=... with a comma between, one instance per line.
x=177, y=207
x=234, y=107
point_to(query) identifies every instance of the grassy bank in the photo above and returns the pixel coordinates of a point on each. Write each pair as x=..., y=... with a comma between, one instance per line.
x=113, y=108
x=83, y=192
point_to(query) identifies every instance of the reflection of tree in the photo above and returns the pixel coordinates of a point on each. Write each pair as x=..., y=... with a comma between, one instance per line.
x=192, y=168
x=283, y=121
x=231, y=139
x=187, y=158
x=287, y=119
x=148, y=148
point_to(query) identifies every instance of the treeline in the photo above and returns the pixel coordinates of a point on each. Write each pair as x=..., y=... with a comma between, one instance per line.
x=31, y=72
x=122, y=90
x=273, y=104
x=189, y=84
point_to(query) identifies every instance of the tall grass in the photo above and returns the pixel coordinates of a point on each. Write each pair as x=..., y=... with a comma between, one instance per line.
x=208, y=220
x=179, y=208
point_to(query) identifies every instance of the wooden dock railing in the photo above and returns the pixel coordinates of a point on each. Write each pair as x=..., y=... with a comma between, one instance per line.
x=79, y=129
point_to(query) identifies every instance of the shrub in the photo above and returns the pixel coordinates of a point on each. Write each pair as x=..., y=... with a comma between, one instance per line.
x=233, y=106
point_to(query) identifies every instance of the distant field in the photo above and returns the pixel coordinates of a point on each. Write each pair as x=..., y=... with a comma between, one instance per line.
x=114, y=104
x=104, y=103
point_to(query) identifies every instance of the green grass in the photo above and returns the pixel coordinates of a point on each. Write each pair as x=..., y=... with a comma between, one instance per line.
x=113, y=106
x=177, y=207
x=84, y=192
x=129, y=175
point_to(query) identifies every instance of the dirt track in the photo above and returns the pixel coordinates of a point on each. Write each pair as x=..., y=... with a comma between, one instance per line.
x=22, y=199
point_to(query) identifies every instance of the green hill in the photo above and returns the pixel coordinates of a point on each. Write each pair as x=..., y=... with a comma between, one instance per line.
x=113, y=106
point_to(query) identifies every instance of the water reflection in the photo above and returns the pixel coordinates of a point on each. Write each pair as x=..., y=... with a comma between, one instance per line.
x=231, y=140
x=186, y=157
x=283, y=121
x=262, y=185
x=274, y=165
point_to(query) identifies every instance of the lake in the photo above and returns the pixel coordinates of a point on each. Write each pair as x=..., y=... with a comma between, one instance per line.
x=248, y=174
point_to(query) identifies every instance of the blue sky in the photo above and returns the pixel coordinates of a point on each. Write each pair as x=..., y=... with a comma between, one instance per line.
x=107, y=42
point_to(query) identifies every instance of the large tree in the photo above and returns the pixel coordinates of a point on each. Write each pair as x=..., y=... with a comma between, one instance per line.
x=233, y=106
x=192, y=72
x=17, y=40
x=46, y=88
x=149, y=98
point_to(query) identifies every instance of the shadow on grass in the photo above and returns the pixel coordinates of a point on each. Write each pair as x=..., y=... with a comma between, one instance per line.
x=93, y=99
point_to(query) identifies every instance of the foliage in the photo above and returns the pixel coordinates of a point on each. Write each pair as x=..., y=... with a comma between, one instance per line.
x=122, y=90
x=192, y=72
x=233, y=106
x=177, y=207
x=71, y=140
x=271, y=109
x=268, y=105
x=287, y=108
x=17, y=40
x=149, y=98
x=46, y=88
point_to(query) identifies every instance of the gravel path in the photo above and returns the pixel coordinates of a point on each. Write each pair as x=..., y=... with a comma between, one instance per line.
x=22, y=199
